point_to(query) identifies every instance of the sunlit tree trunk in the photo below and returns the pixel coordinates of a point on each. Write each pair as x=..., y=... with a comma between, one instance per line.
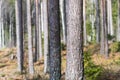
x=62, y=10
x=46, y=37
x=84, y=22
x=74, y=20
x=109, y=18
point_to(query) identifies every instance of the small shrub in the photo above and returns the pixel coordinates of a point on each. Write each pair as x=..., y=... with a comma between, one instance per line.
x=115, y=47
x=92, y=71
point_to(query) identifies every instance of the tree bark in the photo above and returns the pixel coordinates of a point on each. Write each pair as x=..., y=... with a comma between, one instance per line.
x=97, y=22
x=46, y=37
x=109, y=18
x=30, y=53
x=118, y=29
x=54, y=34
x=62, y=10
x=19, y=33
x=84, y=20
x=104, y=32
x=74, y=19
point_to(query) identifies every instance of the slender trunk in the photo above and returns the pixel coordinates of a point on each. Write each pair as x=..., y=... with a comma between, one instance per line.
x=109, y=18
x=30, y=54
x=118, y=29
x=19, y=33
x=97, y=22
x=36, y=35
x=46, y=37
x=40, y=30
x=84, y=20
x=62, y=10
x=0, y=23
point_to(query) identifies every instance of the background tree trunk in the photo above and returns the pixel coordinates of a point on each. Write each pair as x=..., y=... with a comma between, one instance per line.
x=97, y=22
x=30, y=54
x=84, y=18
x=118, y=29
x=46, y=37
x=19, y=33
x=109, y=18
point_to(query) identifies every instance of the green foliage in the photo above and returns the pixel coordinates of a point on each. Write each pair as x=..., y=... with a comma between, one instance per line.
x=110, y=37
x=88, y=27
x=92, y=71
x=115, y=47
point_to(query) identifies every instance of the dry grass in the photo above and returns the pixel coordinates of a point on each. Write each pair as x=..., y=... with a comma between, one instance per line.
x=8, y=67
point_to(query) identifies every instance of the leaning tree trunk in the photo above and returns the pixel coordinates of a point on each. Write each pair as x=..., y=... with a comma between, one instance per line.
x=54, y=34
x=19, y=33
x=30, y=54
x=74, y=19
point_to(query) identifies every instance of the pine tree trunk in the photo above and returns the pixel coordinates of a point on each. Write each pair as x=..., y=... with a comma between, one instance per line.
x=84, y=28
x=19, y=33
x=74, y=19
x=118, y=29
x=97, y=22
x=104, y=40
x=46, y=37
x=54, y=34
x=0, y=23
x=109, y=18
x=30, y=53
x=40, y=30
x=62, y=10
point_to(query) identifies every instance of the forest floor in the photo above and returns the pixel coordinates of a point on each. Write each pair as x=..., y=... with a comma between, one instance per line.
x=8, y=66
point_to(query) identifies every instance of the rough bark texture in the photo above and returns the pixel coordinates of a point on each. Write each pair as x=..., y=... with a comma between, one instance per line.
x=97, y=22
x=74, y=19
x=46, y=37
x=54, y=34
x=30, y=54
x=19, y=33
x=104, y=40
